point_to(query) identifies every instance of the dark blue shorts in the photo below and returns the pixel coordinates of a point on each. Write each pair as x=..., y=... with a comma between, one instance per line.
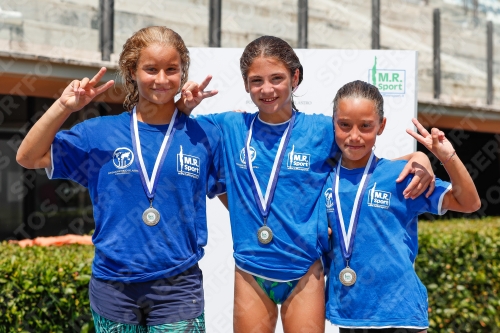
x=157, y=302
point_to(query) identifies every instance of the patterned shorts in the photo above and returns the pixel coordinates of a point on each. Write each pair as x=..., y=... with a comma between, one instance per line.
x=103, y=325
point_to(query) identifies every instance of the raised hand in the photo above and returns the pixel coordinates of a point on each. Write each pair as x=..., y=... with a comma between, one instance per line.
x=435, y=141
x=193, y=93
x=79, y=93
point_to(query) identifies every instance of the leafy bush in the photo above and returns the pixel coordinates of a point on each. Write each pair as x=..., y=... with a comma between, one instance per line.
x=459, y=262
x=46, y=289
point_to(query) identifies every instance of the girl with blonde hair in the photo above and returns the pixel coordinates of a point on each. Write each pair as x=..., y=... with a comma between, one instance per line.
x=148, y=171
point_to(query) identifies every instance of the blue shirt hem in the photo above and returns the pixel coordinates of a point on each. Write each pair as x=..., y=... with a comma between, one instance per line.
x=359, y=323
x=150, y=276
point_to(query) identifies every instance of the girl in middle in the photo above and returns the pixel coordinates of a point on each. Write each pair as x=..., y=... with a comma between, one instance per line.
x=275, y=168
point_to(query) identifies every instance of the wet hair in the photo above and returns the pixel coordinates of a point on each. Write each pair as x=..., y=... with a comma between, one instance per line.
x=271, y=47
x=360, y=89
x=129, y=57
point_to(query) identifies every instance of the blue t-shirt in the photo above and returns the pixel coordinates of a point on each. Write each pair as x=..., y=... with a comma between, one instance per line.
x=296, y=218
x=98, y=154
x=387, y=292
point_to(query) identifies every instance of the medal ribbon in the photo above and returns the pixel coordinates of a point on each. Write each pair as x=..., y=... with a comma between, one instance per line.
x=149, y=185
x=347, y=240
x=264, y=202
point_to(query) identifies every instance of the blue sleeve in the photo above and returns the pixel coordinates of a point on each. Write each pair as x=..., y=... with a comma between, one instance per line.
x=324, y=203
x=216, y=183
x=216, y=119
x=70, y=155
x=326, y=129
x=432, y=204
x=327, y=219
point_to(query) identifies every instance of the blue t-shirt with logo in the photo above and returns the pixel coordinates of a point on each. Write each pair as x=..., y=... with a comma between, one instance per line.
x=387, y=292
x=98, y=154
x=296, y=219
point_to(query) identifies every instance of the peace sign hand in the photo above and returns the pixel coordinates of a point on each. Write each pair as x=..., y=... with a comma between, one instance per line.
x=79, y=93
x=193, y=93
x=435, y=141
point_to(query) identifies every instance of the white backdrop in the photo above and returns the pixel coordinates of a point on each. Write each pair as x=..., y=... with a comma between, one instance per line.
x=325, y=71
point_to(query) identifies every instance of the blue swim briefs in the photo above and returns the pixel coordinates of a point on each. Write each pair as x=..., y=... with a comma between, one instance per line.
x=278, y=292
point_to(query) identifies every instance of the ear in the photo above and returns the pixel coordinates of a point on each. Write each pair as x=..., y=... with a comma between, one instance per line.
x=245, y=82
x=295, y=79
x=132, y=75
x=382, y=126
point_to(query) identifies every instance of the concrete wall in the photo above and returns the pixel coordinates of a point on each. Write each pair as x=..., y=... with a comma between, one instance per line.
x=55, y=28
x=69, y=29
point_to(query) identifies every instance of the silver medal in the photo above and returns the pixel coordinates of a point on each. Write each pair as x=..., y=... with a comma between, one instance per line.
x=151, y=216
x=347, y=276
x=264, y=234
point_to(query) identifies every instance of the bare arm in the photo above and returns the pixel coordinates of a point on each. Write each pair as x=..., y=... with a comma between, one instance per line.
x=420, y=165
x=463, y=197
x=34, y=151
x=223, y=199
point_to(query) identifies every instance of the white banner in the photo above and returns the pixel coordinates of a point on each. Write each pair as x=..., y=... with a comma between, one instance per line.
x=325, y=71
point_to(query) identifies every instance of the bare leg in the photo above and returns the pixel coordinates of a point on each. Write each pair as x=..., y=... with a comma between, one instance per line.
x=253, y=312
x=304, y=310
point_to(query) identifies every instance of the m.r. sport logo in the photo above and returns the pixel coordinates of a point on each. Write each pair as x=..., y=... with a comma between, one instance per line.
x=379, y=199
x=388, y=81
x=188, y=165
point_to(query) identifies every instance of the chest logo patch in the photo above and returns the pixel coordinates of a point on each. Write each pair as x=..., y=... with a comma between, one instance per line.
x=243, y=158
x=123, y=158
x=329, y=200
x=379, y=199
x=188, y=165
x=253, y=155
x=298, y=161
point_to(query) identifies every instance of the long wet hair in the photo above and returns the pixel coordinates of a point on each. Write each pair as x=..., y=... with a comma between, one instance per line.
x=360, y=89
x=272, y=47
x=132, y=50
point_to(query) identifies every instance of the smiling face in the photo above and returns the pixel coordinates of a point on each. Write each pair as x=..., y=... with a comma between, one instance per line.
x=357, y=125
x=158, y=75
x=270, y=86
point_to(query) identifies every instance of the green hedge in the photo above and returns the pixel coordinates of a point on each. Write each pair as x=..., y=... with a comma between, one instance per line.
x=459, y=262
x=45, y=289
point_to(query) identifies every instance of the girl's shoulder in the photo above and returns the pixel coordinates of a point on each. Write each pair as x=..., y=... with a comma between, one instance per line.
x=225, y=117
x=316, y=118
x=199, y=127
x=230, y=116
x=104, y=123
x=389, y=170
x=390, y=167
x=315, y=125
x=228, y=121
x=391, y=164
x=316, y=121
